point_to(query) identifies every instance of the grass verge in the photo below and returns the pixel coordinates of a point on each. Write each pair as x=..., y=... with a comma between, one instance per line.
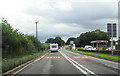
x=14, y=62
x=115, y=58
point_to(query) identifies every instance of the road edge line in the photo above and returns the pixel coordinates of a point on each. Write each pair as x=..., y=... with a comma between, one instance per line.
x=96, y=57
x=29, y=64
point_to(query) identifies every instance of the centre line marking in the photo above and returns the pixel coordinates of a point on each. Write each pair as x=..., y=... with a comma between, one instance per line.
x=84, y=72
x=71, y=60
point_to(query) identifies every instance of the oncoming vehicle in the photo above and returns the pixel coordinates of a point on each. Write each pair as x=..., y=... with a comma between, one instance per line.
x=54, y=47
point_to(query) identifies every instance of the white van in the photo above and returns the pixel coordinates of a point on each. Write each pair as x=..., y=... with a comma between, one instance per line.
x=54, y=47
x=88, y=47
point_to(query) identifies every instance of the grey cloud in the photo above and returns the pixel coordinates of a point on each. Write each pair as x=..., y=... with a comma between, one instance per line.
x=89, y=16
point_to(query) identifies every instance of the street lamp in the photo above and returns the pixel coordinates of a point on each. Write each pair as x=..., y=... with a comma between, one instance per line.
x=36, y=28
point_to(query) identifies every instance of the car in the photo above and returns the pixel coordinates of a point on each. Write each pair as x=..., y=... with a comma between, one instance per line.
x=88, y=47
x=108, y=48
x=94, y=49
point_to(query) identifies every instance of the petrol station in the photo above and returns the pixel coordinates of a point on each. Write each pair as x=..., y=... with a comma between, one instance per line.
x=104, y=43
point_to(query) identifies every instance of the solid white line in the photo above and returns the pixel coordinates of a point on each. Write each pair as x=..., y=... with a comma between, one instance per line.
x=82, y=66
x=94, y=57
x=39, y=58
x=28, y=65
x=16, y=68
x=84, y=72
x=106, y=60
x=22, y=68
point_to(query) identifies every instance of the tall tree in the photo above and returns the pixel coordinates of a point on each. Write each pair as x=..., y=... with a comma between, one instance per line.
x=56, y=40
x=70, y=39
x=15, y=43
x=50, y=40
x=86, y=38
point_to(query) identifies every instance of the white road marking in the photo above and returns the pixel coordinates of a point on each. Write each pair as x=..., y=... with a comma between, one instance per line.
x=39, y=58
x=82, y=66
x=16, y=68
x=106, y=60
x=29, y=64
x=84, y=72
x=92, y=57
x=68, y=58
x=54, y=57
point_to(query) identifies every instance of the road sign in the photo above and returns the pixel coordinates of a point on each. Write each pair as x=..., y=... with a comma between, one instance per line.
x=71, y=42
x=111, y=29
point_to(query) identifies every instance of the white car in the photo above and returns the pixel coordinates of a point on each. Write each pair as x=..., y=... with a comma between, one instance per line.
x=88, y=47
x=108, y=48
x=94, y=49
x=111, y=48
x=54, y=47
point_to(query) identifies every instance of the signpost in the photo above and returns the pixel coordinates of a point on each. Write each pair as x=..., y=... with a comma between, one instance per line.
x=36, y=29
x=111, y=32
x=71, y=44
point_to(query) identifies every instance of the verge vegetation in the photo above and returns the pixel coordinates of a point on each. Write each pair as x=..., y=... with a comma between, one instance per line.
x=18, y=48
x=115, y=58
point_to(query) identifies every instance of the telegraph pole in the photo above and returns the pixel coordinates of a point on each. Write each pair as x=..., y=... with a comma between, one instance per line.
x=36, y=28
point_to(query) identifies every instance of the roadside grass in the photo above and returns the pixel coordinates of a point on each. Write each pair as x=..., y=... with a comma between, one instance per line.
x=115, y=58
x=14, y=62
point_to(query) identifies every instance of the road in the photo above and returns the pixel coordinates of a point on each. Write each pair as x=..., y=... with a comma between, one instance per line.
x=67, y=62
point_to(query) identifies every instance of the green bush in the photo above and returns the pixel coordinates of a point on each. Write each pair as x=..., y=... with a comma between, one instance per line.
x=17, y=44
x=14, y=62
x=18, y=48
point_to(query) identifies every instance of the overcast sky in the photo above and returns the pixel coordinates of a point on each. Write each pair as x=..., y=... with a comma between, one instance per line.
x=64, y=18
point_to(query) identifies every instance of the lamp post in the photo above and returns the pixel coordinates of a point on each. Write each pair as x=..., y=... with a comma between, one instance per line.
x=36, y=28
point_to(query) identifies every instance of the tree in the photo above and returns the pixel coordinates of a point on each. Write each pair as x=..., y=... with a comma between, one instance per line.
x=86, y=38
x=59, y=41
x=50, y=40
x=56, y=40
x=70, y=39
x=15, y=43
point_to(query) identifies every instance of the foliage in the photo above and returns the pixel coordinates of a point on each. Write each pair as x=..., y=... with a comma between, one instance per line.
x=86, y=38
x=17, y=44
x=99, y=55
x=70, y=39
x=14, y=62
x=56, y=40
x=46, y=45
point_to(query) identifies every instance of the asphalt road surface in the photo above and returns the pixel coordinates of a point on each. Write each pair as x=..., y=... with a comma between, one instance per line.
x=67, y=62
